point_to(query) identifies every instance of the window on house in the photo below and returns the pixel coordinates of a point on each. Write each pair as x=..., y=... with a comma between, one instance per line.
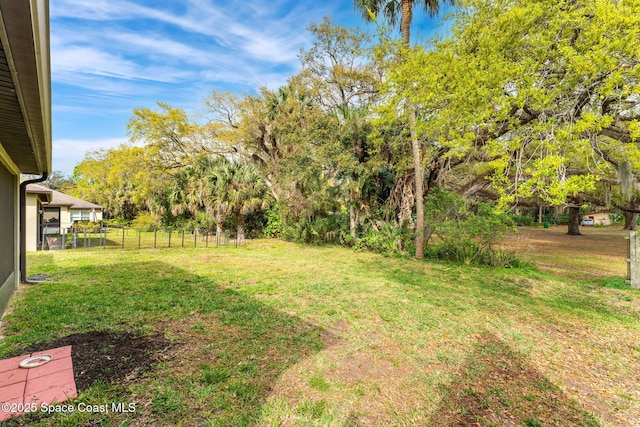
x=50, y=221
x=80, y=215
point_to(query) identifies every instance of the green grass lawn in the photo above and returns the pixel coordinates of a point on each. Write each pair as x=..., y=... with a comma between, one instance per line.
x=275, y=333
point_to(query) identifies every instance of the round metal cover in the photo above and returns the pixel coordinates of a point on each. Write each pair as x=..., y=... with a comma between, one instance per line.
x=35, y=361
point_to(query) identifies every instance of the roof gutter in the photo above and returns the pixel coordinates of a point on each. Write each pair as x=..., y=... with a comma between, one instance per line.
x=23, y=225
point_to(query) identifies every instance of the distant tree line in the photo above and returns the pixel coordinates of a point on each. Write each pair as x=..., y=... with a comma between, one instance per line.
x=523, y=105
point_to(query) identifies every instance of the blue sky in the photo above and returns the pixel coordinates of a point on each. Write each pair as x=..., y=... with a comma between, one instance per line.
x=111, y=56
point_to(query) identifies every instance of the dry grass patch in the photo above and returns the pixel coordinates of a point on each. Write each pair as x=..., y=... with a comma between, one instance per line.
x=598, y=253
x=496, y=386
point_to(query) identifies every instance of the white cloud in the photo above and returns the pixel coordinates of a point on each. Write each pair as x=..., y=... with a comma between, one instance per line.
x=96, y=10
x=123, y=47
x=110, y=56
x=154, y=44
x=87, y=60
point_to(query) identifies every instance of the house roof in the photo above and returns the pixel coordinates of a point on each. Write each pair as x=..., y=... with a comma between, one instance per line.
x=60, y=199
x=25, y=86
x=43, y=193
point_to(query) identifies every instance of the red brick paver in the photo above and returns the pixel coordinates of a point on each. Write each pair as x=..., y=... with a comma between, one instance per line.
x=50, y=383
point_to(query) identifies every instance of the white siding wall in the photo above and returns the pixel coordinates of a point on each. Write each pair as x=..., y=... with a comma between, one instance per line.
x=31, y=218
x=65, y=218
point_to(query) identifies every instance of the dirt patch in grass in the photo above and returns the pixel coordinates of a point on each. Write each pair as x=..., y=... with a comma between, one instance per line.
x=373, y=374
x=223, y=364
x=497, y=386
x=109, y=357
x=597, y=253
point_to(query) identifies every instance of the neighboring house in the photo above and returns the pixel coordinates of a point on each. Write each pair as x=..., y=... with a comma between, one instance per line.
x=35, y=198
x=25, y=123
x=50, y=212
x=599, y=218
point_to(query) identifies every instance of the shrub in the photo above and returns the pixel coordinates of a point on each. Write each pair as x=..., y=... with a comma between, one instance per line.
x=617, y=219
x=469, y=252
x=274, y=225
x=86, y=227
x=145, y=222
x=317, y=230
x=562, y=219
x=202, y=221
x=466, y=231
x=462, y=251
x=523, y=220
x=119, y=222
x=388, y=240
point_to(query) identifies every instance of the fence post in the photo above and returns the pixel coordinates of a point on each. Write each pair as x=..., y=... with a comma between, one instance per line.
x=183, y=237
x=633, y=262
x=123, y=237
x=206, y=236
x=170, y=237
x=195, y=237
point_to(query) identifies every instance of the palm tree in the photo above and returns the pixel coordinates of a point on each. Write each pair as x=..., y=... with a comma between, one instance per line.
x=391, y=10
x=192, y=191
x=353, y=130
x=239, y=190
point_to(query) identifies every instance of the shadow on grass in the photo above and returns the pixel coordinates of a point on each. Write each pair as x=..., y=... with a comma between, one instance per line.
x=514, y=286
x=225, y=350
x=497, y=387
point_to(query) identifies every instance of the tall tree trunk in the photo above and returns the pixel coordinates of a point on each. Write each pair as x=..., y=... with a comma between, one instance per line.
x=405, y=21
x=574, y=221
x=630, y=220
x=539, y=214
x=403, y=199
x=631, y=214
x=417, y=166
x=352, y=213
x=240, y=232
x=405, y=29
